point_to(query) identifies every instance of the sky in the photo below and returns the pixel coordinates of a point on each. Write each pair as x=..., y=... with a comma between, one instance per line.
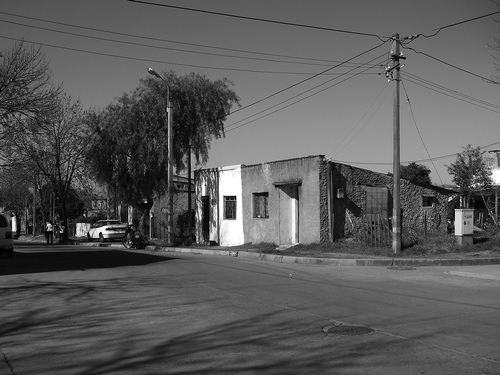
x=309, y=74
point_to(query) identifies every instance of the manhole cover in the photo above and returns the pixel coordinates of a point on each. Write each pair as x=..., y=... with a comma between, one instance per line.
x=401, y=268
x=348, y=330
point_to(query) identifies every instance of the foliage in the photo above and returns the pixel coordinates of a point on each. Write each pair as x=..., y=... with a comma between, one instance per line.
x=416, y=172
x=26, y=91
x=470, y=173
x=50, y=151
x=129, y=151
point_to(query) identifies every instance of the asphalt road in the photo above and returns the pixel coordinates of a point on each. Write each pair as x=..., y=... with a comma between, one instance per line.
x=77, y=310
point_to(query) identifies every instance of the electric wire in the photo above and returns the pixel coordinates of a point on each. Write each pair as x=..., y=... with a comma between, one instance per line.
x=418, y=131
x=256, y=19
x=308, y=79
x=324, y=63
x=154, y=60
x=451, y=25
x=450, y=93
x=289, y=105
x=451, y=65
x=166, y=40
x=302, y=93
x=364, y=126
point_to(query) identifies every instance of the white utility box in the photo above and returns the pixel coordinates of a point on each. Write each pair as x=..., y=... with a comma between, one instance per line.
x=464, y=225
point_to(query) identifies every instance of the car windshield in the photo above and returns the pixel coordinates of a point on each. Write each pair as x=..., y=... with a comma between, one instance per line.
x=111, y=222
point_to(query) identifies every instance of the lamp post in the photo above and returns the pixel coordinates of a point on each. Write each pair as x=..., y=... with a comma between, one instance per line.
x=170, y=206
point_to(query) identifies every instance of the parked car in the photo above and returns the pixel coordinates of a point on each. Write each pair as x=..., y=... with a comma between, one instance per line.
x=6, y=238
x=107, y=230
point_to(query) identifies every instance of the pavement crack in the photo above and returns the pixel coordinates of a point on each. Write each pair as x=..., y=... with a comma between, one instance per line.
x=7, y=362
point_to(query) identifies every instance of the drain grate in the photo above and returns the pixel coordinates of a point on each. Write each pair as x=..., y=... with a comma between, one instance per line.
x=348, y=330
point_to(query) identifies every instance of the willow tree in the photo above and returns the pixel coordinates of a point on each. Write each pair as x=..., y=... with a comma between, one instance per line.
x=129, y=153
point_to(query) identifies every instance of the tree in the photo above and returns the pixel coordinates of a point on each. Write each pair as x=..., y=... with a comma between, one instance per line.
x=129, y=150
x=416, y=172
x=51, y=149
x=26, y=91
x=470, y=173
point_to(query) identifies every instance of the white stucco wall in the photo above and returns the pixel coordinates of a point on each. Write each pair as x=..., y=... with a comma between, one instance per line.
x=496, y=176
x=231, y=231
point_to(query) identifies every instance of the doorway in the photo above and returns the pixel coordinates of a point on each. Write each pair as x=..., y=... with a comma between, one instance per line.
x=288, y=214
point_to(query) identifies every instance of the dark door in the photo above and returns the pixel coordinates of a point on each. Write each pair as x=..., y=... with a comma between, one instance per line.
x=205, y=202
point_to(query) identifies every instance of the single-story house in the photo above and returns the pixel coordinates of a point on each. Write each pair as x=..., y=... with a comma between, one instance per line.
x=305, y=200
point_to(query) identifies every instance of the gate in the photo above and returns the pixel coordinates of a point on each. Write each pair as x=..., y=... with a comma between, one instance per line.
x=376, y=230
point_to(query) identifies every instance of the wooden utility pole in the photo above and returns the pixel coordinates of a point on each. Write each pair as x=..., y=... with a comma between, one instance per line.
x=396, y=213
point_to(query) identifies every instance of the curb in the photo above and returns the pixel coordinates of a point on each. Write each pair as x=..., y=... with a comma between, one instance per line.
x=384, y=262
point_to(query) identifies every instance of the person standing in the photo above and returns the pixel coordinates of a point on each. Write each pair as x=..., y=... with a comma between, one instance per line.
x=49, y=233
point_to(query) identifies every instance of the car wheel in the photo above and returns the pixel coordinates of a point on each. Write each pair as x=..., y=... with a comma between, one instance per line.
x=101, y=237
x=89, y=238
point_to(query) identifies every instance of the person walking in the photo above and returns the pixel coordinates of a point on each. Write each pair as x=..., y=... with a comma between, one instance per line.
x=49, y=232
x=61, y=233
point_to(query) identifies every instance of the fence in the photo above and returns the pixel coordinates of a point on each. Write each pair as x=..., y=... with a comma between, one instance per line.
x=376, y=230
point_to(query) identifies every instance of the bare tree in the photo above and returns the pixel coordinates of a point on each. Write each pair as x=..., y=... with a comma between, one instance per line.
x=53, y=148
x=26, y=90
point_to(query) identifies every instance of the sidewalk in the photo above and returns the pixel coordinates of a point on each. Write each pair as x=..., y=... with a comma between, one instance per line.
x=330, y=259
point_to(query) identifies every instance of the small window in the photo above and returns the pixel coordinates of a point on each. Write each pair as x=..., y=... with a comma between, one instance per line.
x=230, y=207
x=261, y=205
x=427, y=200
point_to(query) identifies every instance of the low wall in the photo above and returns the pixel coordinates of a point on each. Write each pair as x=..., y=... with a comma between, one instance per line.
x=82, y=229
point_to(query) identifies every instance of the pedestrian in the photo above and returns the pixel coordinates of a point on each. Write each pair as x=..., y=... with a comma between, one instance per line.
x=61, y=233
x=49, y=232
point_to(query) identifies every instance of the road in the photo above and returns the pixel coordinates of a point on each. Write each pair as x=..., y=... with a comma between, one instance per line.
x=78, y=310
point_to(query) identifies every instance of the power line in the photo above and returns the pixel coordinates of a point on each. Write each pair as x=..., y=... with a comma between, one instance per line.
x=167, y=40
x=324, y=62
x=412, y=161
x=308, y=79
x=451, y=25
x=451, y=65
x=254, y=19
x=451, y=93
x=364, y=126
x=289, y=105
x=419, y=134
x=153, y=60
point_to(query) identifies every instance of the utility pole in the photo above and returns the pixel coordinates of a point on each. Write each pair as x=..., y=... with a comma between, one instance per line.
x=170, y=171
x=393, y=72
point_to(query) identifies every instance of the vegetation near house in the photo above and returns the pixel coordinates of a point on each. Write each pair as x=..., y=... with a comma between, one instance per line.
x=470, y=173
x=416, y=172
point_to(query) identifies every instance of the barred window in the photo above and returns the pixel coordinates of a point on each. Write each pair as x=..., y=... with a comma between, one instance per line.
x=230, y=207
x=261, y=205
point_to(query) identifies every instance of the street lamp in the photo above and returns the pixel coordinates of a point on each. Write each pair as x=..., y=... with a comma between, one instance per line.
x=170, y=208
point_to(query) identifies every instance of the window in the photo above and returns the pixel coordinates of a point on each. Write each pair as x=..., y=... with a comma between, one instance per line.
x=427, y=200
x=230, y=207
x=261, y=205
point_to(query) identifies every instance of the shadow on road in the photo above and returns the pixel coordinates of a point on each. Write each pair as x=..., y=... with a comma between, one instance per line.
x=69, y=260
